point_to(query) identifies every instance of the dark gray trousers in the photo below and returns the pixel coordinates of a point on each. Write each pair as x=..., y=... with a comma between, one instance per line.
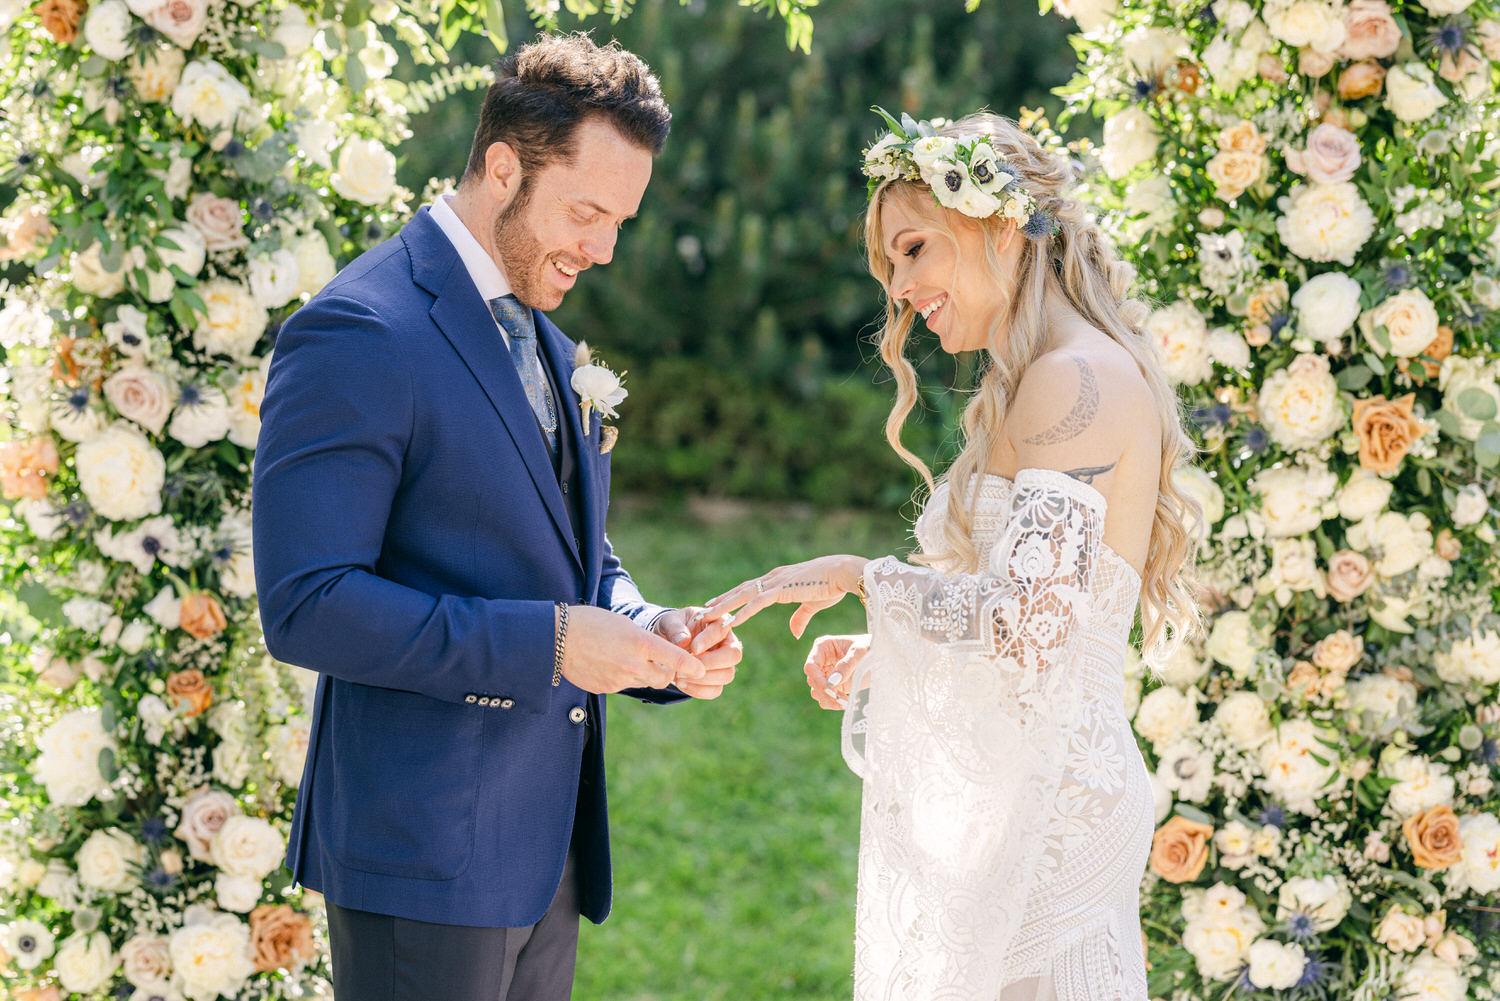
x=378, y=957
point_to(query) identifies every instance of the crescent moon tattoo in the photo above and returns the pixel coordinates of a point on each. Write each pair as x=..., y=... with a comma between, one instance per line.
x=1080, y=417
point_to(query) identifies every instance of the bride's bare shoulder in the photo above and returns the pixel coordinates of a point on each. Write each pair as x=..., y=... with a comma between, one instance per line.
x=1086, y=397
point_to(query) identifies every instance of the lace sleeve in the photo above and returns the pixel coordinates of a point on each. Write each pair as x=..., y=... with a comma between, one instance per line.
x=958, y=722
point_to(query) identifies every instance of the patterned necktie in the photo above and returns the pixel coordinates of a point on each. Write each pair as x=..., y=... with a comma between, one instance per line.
x=515, y=319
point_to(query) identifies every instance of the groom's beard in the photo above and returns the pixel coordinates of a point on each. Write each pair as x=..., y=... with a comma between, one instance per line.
x=521, y=255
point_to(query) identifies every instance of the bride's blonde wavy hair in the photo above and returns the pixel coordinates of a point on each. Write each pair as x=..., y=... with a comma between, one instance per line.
x=1080, y=263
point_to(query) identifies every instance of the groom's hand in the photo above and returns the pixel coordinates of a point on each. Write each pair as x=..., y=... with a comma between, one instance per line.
x=712, y=642
x=605, y=652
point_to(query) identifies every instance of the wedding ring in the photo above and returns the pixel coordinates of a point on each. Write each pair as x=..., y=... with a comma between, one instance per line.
x=760, y=587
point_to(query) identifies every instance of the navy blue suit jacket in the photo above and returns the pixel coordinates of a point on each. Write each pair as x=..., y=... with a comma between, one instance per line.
x=411, y=539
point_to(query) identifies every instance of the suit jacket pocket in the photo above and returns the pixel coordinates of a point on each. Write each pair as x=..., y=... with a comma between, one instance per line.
x=406, y=771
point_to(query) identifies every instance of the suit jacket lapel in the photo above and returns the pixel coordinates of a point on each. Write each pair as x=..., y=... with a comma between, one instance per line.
x=464, y=319
x=559, y=356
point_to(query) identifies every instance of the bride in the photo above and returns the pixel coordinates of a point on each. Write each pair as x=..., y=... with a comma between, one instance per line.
x=1006, y=814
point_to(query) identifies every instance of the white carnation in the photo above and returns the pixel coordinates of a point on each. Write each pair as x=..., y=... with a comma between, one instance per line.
x=237, y=893
x=1400, y=541
x=1470, y=506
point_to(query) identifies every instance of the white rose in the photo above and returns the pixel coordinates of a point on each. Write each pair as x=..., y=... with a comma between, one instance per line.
x=146, y=960
x=294, y=31
x=1364, y=496
x=84, y=962
x=247, y=846
x=273, y=278
x=245, y=397
x=156, y=72
x=1411, y=94
x=1275, y=965
x=218, y=221
x=234, y=322
x=188, y=253
x=1130, y=139
x=68, y=765
x=1306, y=24
x=203, y=817
x=140, y=395
x=105, y=860
x=1292, y=498
x=1472, y=660
x=315, y=265
x=1399, y=931
x=30, y=943
x=120, y=473
x=1184, y=668
x=1429, y=978
x=92, y=278
x=288, y=746
x=1402, y=541
x=366, y=171
x=1420, y=784
x=1150, y=50
x=1327, y=306
x=1181, y=337
x=208, y=94
x=1470, y=506
x=1292, y=768
x=237, y=893
x=1410, y=321
x=1234, y=641
x=1459, y=373
x=1325, y=900
x=1325, y=222
x=1165, y=715
x=106, y=30
x=1480, y=865
x=211, y=954
x=202, y=416
x=1299, y=405
x=1245, y=720
x=165, y=609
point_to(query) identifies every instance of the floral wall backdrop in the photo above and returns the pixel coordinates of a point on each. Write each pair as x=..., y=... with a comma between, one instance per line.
x=1308, y=191
x=179, y=176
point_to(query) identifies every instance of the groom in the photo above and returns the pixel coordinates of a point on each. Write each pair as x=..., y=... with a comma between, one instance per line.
x=429, y=536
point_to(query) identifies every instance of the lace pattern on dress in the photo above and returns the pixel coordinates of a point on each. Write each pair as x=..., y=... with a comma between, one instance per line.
x=964, y=723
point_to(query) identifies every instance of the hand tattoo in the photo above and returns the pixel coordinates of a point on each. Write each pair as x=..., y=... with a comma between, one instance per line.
x=1081, y=416
x=1086, y=474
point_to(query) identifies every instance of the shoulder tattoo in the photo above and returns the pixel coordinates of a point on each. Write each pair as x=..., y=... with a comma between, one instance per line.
x=1085, y=408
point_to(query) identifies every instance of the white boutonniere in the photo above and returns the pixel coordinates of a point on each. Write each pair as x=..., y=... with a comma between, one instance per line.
x=599, y=389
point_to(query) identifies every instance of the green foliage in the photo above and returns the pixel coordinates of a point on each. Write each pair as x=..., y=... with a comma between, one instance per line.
x=739, y=299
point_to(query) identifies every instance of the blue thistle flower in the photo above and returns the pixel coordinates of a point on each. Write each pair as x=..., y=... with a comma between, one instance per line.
x=1489, y=751
x=191, y=396
x=1039, y=226
x=1273, y=815
x=154, y=830
x=160, y=879
x=1144, y=89
x=1255, y=440
x=1301, y=926
x=263, y=210
x=1315, y=971
x=1279, y=321
x=1396, y=276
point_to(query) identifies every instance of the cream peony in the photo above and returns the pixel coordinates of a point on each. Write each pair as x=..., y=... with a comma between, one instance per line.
x=209, y=95
x=1429, y=978
x=140, y=395
x=1293, y=498
x=1275, y=965
x=247, y=846
x=1364, y=496
x=1411, y=94
x=210, y=954
x=1325, y=222
x=1300, y=405
x=1294, y=769
x=366, y=171
x=1181, y=338
x=120, y=473
x=1310, y=24
x=245, y=397
x=234, y=322
x=106, y=30
x=1480, y=866
x=1410, y=321
x=1420, y=784
x=156, y=72
x=1471, y=660
x=1221, y=926
x=1130, y=139
x=85, y=962
x=68, y=765
x=1245, y=720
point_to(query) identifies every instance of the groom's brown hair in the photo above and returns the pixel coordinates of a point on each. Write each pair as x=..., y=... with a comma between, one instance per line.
x=544, y=91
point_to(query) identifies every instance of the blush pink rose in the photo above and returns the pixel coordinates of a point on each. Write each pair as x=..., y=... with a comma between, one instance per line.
x=1370, y=32
x=1349, y=575
x=1332, y=155
x=219, y=221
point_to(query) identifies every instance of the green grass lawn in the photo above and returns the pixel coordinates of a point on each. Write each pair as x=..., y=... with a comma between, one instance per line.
x=735, y=822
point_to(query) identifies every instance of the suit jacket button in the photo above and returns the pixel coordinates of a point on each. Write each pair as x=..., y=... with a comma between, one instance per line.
x=577, y=715
x=471, y=698
x=484, y=702
x=507, y=703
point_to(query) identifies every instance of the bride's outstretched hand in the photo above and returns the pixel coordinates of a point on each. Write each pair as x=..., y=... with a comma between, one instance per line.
x=830, y=667
x=812, y=586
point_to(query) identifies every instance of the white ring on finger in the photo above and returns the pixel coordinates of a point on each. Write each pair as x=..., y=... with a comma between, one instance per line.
x=760, y=586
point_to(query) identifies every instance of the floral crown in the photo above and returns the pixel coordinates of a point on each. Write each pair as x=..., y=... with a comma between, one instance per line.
x=971, y=177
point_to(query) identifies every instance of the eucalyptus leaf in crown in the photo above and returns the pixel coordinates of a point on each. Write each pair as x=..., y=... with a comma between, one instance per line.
x=180, y=176
x=1307, y=189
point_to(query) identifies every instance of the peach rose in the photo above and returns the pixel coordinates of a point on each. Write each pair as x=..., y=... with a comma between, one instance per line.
x=1447, y=545
x=1233, y=172
x=1433, y=838
x=1338, y=651
x=1241, y=138
x=1314, y=64
x=1489, y=38
x=1453, y=69
x=25, y=466
x=61, y=17
x=202, y=616
x=23, y=231
x=1349, y=575
x=189, y=689
x=1179, y=849
x=1304, y=679
x=180, y=20
x=1270, y=68
x=1336, y=116
x=1440, y=348
x=280, y=937
x=1267, y=301
x=1361, y=80
x=39, y=994
x=1370, y=32
x=1387, y=430
x=1258, y=336
x=1332, y=155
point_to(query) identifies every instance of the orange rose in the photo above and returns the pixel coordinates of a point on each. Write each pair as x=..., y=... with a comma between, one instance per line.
x=280, y=937
x=1386, y=430
x=1189, y=77
x=1242, y=138
x=25, y=466
x=1180, y=849
x=61, y=17
x=188, y=688
x=1433, y=838
x=1271, y=68
x=202, y=616
x=1440, y=348
x=1349, y=575
x=1447, y=545
x=1364, y=79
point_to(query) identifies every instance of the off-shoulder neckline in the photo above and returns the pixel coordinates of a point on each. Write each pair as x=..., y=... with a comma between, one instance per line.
x=1084, y=491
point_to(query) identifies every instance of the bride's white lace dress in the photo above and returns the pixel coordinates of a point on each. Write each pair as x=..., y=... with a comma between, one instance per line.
x=1007, y=814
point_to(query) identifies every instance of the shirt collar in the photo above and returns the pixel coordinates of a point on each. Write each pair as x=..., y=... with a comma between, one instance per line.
x=488, y=278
